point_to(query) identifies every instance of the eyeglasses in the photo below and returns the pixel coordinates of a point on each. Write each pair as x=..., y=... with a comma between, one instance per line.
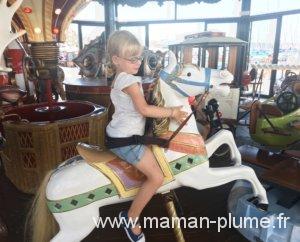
x=134, y=59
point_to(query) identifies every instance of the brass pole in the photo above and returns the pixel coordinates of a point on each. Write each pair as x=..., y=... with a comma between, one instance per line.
x=173, y=214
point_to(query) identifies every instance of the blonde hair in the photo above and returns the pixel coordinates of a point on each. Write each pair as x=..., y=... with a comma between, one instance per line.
x=121, y=43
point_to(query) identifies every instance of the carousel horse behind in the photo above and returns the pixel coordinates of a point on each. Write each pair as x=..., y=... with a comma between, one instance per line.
x=70, y=196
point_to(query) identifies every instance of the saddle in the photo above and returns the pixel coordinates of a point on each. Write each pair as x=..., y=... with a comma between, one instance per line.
x=123, y=175
x=128, y=179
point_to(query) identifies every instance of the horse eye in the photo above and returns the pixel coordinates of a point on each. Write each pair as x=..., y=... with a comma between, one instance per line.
x=189, y=74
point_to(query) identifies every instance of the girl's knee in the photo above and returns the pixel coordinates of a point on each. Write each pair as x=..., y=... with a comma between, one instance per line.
x=158, y=179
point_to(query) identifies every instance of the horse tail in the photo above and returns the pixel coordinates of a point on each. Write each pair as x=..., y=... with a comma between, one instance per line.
x=40, y=224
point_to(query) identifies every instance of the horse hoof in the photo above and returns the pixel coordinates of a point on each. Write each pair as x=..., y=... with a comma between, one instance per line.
x=262, y=206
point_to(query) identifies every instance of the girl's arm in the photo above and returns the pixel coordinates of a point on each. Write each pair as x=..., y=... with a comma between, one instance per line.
x=150, y=110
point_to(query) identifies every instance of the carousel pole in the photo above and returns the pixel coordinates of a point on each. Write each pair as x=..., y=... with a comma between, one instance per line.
x=110, y=16
x=169, y=203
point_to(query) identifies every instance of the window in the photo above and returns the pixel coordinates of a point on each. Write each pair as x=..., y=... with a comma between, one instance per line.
x=228, y=28
x=161, y=35
x=261, y=48
x=90, y=33
x=224, y=8
x=149, y=11
x=94, y=11
x=138, y=31
x=69, y=49
x=289, y=52
x=270, y=6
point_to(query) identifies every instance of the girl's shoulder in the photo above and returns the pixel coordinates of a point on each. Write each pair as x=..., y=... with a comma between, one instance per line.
x=124, y=80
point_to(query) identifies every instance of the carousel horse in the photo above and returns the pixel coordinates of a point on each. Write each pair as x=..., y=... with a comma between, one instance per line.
x=70, y=196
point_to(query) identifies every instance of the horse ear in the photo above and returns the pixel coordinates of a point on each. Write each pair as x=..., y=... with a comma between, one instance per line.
x=172, y=62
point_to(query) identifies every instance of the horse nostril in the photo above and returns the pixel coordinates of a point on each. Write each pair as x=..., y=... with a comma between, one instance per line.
x=188, y=74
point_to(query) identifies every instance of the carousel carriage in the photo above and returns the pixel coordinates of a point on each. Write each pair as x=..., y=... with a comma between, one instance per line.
x=73, y=199
x=275, y=126
x=275, y=122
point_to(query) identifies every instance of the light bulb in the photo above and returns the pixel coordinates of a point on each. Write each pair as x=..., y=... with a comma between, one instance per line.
x=57, y=11
x=37, y=30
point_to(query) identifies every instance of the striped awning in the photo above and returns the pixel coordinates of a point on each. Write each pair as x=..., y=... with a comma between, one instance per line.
x=139, y=3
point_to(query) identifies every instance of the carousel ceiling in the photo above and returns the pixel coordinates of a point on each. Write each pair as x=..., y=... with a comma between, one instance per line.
x=47, y=20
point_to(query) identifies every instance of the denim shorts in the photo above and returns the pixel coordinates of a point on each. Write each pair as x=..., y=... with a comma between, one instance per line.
x=131, y=153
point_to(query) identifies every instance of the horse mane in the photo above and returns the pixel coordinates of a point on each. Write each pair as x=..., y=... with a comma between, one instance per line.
x=156, y=126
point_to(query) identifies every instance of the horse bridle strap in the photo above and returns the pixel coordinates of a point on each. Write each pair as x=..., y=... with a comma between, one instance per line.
x=172, y=79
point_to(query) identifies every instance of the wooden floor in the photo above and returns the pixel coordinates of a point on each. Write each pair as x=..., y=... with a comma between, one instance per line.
x=209, y=203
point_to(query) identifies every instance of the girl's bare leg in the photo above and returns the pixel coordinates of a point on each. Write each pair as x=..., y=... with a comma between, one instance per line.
x=149, y=167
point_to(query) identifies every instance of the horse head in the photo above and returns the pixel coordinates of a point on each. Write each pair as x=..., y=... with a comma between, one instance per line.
x=190, y=80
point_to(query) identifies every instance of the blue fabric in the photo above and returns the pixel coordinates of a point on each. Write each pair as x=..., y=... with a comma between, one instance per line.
x=131, y=153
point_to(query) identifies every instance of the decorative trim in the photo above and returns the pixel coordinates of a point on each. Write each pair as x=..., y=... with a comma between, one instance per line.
x=81, y=200
x=69, y=17
x=27, y=24
x=187, y=162
x=47, y=19
x=25, y=21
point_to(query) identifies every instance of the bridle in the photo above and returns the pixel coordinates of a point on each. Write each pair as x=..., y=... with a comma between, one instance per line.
x=172, y=79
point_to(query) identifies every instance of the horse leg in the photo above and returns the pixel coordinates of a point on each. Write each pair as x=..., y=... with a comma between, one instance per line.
x=220, y=138
x=75, y=225
x=205, y=177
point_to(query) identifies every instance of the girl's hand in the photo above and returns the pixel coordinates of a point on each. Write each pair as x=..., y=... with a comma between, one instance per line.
x=178, y=115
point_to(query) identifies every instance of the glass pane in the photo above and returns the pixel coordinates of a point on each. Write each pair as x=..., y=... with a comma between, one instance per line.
x=161, y=35
x=229, y=8
x=270, y=6
x=94, y=11
x=90, y=32
x=138, y=31
x=289, y=52
x=150, y=11
x=228, y=28
x=69, y=49
x=261, y=49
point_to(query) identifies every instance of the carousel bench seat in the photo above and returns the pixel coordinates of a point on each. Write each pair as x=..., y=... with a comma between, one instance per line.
x=271, y=110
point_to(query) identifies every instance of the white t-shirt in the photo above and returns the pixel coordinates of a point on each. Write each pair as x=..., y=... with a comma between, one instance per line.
x=126, y=120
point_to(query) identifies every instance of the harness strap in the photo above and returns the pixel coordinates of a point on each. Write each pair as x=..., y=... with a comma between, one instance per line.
x=112, y=143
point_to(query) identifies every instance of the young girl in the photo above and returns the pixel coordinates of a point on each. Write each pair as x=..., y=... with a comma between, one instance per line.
x=125, y=53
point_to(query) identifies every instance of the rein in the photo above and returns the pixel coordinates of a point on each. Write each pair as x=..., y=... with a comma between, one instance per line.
x=188, y=117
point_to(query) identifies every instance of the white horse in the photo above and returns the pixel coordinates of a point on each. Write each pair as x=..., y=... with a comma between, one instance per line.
x=75, y=177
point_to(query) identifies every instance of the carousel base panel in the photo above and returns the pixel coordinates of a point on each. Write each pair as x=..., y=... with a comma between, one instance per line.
x=279, y=223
